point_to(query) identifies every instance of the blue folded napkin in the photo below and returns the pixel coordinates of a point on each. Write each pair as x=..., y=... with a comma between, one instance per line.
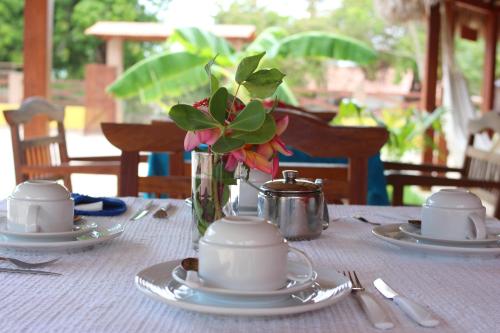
x=110, y=206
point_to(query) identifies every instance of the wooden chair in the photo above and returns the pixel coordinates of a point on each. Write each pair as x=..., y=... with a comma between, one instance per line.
x=315, y=137
x=47, y=157
x=480, y=170
x=132, y=139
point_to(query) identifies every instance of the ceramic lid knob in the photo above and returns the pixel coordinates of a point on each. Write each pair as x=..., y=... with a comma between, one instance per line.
x=243, y=231
x=46, y=190
x=454, y=198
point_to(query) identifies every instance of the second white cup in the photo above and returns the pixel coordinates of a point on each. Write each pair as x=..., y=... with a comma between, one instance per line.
x=454, y=214
x=247, y=253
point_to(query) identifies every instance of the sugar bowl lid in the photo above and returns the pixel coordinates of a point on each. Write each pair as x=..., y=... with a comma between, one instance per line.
x=291, y=185
x=454, y=198
x=40, y=190
x=242, y=231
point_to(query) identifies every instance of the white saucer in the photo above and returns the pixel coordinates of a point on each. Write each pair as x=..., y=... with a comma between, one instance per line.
x=179, y=275
x=100, y=235
x=78, y=230
x=414, y=231
x=156, y=282
x=391, y=234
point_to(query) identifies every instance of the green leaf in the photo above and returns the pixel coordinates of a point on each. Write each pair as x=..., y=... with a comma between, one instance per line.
x=214, y=83
x=250, y=118
x=226, y=144
x=247, y=66
x=324, y=45
x=191, y=119
x=264, y=82
x=203, y=43
x=174, y=86
x=148, y=72
x=218, y=105
x=265, y=133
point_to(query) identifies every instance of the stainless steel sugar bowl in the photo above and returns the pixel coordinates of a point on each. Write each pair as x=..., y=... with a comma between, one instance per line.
x=296, y=206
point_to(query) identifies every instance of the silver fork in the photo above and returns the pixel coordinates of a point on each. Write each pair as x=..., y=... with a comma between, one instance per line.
x=375, y=313
x=24, y=264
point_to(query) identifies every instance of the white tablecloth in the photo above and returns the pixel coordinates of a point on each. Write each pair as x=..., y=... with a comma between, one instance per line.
x=97, y=294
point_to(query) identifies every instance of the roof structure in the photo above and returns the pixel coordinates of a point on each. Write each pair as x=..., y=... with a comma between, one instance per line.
x=150, y=31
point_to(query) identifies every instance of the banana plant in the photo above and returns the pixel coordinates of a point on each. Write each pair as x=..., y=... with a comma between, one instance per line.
x=179, y=68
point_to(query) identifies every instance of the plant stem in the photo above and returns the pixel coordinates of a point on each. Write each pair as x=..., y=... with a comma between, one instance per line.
x=234, y=99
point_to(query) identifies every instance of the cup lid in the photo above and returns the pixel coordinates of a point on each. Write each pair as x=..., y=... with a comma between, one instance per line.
x=454, y=198
x=245, y=231
x=47, y=190
x=290, y=184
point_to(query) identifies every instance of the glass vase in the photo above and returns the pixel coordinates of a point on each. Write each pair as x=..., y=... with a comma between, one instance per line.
x=214, y=191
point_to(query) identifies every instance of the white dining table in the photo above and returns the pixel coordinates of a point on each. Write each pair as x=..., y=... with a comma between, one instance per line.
x=96, y=292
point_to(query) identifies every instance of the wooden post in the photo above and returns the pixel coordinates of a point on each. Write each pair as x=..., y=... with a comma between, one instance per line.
x=490, y=36
x=99, y=106
x=430, y=72
x=37, y=54
x=114, y=58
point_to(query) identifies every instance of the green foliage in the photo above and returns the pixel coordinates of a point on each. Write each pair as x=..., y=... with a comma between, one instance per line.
x=325, y=45
x=265, y=133
x=72, y=49
x=247, y=66
x=149, y=77
x=225, y=144
x=250, y=118
x=11, y=30
x=157, y=72
x=190, y=119
x=406, y=126
x=218, y=105
x=263, y=83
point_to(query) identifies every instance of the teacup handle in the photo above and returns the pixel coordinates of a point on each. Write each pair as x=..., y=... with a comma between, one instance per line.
x=31, y=224
x=479, y=225
x=307, y=261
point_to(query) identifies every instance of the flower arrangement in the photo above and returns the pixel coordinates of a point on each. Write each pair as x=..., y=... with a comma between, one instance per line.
x=248, y=133
x=234, y=133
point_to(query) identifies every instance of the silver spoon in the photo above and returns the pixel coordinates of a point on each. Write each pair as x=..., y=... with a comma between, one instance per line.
x=24, y=264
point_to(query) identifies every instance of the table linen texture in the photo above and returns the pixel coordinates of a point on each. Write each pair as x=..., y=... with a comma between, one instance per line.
x=97, y=293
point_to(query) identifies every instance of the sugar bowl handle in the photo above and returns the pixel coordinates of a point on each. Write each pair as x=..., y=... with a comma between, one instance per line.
x=301, y=277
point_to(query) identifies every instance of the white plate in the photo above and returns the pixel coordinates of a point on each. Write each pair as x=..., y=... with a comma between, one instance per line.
x=79, y=230
x=414, y=231
x=391, y=233
x=157, y=283
x=179, y=275
x=100, y=235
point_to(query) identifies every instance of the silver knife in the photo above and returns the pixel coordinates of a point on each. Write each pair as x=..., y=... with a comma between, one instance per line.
x=415, y=311
x=142, y=212
x=27, y=271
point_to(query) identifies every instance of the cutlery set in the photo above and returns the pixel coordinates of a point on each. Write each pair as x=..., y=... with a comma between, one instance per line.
x=377, y=315
x=27, y=267
x=162, y=213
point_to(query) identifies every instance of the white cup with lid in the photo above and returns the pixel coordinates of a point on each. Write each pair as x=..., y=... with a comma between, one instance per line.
x=454, y=214
x=40, y=206
x=247, y=253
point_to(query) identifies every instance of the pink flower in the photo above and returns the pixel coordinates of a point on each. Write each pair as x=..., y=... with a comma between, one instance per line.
x=207, y=136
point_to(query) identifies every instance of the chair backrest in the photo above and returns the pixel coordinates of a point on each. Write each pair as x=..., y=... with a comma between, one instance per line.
x=132, y=139
x=48, y=150
x=484, y=164
x=315, y=137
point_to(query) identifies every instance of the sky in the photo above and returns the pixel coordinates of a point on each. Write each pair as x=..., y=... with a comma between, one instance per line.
x=200, y=12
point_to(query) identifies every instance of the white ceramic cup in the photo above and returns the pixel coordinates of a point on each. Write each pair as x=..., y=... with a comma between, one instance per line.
x=454, y=214
x=247, y=200
x=247, y=253
x=40, y=206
